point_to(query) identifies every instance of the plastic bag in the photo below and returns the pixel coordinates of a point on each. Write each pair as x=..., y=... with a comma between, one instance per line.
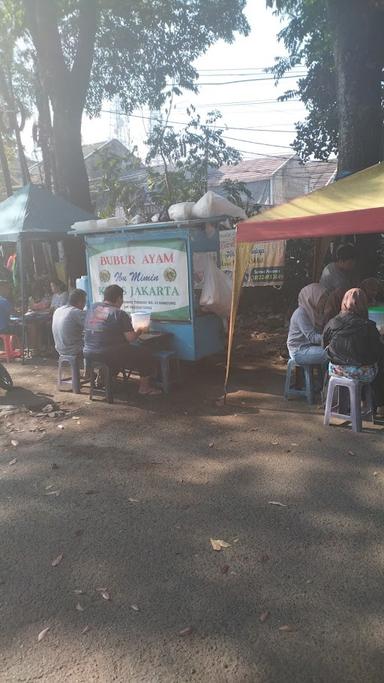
x=216, y=293
x=181, y=211
x=212, y=204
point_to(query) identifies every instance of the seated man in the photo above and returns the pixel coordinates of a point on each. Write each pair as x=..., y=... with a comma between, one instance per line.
x=339, y=275
x=5, y=309
x=68, y=325
x=109, y=335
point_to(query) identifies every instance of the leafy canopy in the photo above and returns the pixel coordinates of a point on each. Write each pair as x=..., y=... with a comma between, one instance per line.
x=307, y=38
x=144, y=49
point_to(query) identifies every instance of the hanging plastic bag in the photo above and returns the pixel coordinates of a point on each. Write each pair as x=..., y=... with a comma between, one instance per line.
x=181, y=211
x=216, y=293
x=212, y=204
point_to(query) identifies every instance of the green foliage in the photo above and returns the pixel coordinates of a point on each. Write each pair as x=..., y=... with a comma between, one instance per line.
x=144, y=49
x=130, y=195
x=238, y=193
x=186, y=157
x=307, y=38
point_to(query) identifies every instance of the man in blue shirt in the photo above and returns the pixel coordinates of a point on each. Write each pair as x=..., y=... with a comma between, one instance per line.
x=109, y=335
x=5, y=309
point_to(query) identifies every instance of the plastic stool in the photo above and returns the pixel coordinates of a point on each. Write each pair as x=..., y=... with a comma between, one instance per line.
x=308, y=390
x=74, y=380
x=10, y=350
x=355, y=389
x=165, y=358
x=93, y=365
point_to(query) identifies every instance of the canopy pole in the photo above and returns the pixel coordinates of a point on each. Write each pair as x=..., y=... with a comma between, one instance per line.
x=22, y=294
x=242, y=256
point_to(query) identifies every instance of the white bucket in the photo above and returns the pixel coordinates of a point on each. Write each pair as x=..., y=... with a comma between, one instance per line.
x=141, y=320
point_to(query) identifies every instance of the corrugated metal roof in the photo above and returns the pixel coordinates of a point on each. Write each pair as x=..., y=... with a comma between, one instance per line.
x=249, y=170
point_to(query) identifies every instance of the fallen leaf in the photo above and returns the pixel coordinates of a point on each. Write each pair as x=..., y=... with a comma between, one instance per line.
x=211, y=444
x=52, y=493
x=133, y=500
x=57, y=560
x=186, y=631
x=14, y=442
x=50, y=486
x=254, y=429
x=135, y=608
x=75, y=417
x=105, y=595
x=375, y=474
x=276, y=502
x=85, y=630
x=218, y=544
x=294, y=444
x=78, y=591
x=264, y=616
x=235, y=540
x=60, y=426
x=287, y=628
x=13, y=462
x=43, y=633
x=351, y=453
x=274, y=443
x=79, y=607
x=224, y=569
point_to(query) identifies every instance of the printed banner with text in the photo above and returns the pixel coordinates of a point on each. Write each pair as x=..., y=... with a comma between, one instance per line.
x=266, y=265
x=153, y=275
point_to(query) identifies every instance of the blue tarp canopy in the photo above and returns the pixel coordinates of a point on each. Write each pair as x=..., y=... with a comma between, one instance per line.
x=34, y=212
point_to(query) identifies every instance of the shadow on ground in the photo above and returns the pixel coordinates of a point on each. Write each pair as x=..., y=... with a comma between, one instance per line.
x=131, y=494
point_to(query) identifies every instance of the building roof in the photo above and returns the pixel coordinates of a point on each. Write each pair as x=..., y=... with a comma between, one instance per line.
x=249, y=170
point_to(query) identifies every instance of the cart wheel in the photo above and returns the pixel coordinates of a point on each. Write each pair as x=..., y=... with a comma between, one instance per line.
x=5, y=378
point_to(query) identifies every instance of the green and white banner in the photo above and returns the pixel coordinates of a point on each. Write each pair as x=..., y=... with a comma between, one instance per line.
x=153, y=275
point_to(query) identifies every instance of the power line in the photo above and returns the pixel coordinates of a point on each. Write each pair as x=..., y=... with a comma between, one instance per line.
x=252, y=142
x=224, y=127
x=250, y=80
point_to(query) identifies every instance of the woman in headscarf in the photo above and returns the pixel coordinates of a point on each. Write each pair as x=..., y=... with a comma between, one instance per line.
x=354, y=346
x=332, y=305
x=304, y=336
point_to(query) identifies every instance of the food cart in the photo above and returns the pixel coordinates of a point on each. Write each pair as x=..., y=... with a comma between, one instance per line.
x=160, y=267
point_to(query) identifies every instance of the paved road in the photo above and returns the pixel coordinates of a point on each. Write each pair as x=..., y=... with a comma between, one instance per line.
x=131, y=494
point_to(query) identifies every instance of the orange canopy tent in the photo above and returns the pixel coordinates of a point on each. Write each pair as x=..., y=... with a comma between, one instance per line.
x=353, y=205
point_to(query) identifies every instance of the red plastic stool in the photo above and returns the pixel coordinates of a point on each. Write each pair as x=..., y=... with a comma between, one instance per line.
x=10, y=350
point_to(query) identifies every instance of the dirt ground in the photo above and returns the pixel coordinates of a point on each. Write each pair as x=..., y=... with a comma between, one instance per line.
x=107, y=512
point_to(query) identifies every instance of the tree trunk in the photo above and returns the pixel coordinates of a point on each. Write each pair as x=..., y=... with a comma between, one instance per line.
x=71, y=171
x=44, y=137
x=359, y=56
x=67, y=89
x=5, y=167
x=358, y=53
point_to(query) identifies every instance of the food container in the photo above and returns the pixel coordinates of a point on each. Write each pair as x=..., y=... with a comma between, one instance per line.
x=141, y=320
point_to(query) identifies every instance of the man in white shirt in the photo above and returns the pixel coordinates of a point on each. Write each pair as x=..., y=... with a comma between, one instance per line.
x=68, y=325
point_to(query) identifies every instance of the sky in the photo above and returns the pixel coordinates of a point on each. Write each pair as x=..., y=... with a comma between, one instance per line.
x=244, y=105
x=255, y=123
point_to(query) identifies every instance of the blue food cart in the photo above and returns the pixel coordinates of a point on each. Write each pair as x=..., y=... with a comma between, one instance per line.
x=160, y=267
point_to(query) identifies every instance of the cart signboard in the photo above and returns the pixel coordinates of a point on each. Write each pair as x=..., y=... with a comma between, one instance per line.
x=266, y=263
x=152, y=273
